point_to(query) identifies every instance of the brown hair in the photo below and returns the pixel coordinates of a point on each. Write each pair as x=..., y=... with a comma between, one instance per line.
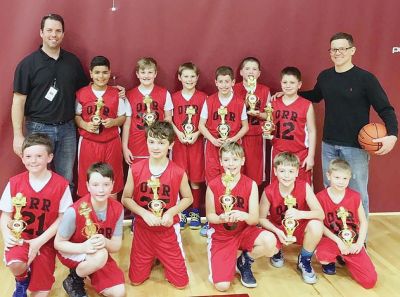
x=161, y=130
x=38, y=139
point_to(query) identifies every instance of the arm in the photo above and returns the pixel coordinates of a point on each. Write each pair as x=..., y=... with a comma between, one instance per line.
x=207, y=135
x=314, y=95
x=243, y=130
x=168, y=115
x=179, y=134
x=315, y=211
x=185, y=201
x=212, y=217
x=125, y=137
x=356, y=247
x=17, y=117
x=312, y=138
x=117, y=122
x=8, y=239
x=251, y=218
x=341, y=245
x=130, y=204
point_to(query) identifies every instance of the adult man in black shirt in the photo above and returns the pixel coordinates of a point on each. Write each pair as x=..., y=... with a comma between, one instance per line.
x=349, y=92
x=45, y=83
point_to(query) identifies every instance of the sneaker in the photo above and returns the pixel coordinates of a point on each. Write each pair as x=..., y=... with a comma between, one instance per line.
x=195, y=222
x=307, y=272
x=204, y=229
x=21, y=287
x=183, y=221
x=74, y=285
x=329, y=268
x=277, y=260
x=243, y=266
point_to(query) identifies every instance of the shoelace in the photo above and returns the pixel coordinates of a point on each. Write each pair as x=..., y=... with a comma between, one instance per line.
x=183, y=217
x=21, y=287
x=194, y=216
x=306, y=264
x=246, y=264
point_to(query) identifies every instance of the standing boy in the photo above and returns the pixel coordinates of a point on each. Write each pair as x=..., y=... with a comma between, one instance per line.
x=233, y=222
x=148, y=103
x=43, y=196
x=89, y=231
x=294, y=119
x=99, y=113
x=292, y=199
x=152, y=193
x=188, y=151
x=253, y=143
x=344, y=213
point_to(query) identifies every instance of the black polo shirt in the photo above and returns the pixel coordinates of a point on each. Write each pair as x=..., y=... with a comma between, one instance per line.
x=36, y=73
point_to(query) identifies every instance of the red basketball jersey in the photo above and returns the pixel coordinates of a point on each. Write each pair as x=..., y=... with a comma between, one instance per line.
x=42, y=208
x=107, y=227
x=241, y=192
x=278, y=208
x=180, y=104
x=87, y=99
x=233, y=117
x=262, y=93
x=170, y=182
x=290, y=125
x=137, y=134
x=351, y=202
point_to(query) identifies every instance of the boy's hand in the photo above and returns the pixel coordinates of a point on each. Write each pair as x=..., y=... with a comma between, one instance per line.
x=151, y=219
x=308, y=163
x=355, y=248
x=237, y=215
x=223, y=217
x=167, y=220
x=194, y=137
x=293, y=213
x=10, y=241
x=282, y=236
x=34, y=248
x=276, y=95
x=128, y=157
x=121, y=93
x=98, y=241
x=254, y=113
x=218, y=142
x=91, y=127
x=181, y=137
x=108, y=123
x=344, y=248
x=88, y=247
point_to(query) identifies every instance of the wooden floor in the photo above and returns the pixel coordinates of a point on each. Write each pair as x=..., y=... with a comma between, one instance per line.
x=383, y=247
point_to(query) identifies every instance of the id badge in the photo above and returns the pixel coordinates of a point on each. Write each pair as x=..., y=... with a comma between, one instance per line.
x=51, y=93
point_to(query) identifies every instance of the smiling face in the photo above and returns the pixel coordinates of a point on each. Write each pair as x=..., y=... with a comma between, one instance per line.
x=339, y=179
x=35, y=158
x=147, y=76
x=286, y=174
x=290, y=85
x=52, y=34
x=189, y=79
x=231, y=162
x=100, y=76
x=158, y=148
x=224, y=84
x=99, y=187
x=341, y=53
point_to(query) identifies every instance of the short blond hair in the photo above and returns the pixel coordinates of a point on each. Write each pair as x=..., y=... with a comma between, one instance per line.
x=287, y=158
x=339, y=165
x=188, y=66
x=232, y=147
x=146, y=62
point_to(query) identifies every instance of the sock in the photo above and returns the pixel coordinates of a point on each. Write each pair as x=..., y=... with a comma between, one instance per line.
x=23, y=276
x=306, y=254
x=196, y=198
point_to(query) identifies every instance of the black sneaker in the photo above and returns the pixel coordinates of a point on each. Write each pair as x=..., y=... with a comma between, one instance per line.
x=340, y=260
x=74, y=285
x=277, y=260
x=243, y=266
x=329, y=268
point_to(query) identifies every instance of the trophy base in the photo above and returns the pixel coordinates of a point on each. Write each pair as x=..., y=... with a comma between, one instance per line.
x=290, y=239
x=268, y=137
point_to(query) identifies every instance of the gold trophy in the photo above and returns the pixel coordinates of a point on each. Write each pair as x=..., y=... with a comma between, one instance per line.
x=268, y=126
x=17, y=225
x=227, y=200
x=90, y=228
x=96, y=119
x=155, y=205
x=251, y=98
x=290, y=224
x=149, y=116
x=189, y=128
x=223, y=128
x=346, y=235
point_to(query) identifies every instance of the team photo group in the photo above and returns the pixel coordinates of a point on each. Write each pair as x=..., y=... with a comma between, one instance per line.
x=173, y=144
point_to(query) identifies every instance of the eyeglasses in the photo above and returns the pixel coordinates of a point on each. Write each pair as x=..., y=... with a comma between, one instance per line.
x=341, y=50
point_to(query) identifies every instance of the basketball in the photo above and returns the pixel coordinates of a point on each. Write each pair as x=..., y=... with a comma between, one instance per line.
x=370, y=132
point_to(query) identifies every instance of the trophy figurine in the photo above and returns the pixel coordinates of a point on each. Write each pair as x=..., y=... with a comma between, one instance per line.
x=155, y=205
x=227, y=200
x=90, y=228
x=188, y=127
x=96, y=119
x=223, y=128
x=346, y=235
x=251, y=98
x=149, y=116
x=268, y=126
x=290, y=224
x=17, y=225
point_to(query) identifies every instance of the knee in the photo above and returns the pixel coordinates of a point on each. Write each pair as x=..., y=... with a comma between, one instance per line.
x=315, y=228
x=269, y=243
x=99, y=259
x=370, y=282
x=117, y=291
x=17, y=268
x=223, y=286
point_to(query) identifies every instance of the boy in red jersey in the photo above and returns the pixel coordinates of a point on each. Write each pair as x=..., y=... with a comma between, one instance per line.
x=86, y=251
x=275, y=207
x=148, y=103
x=188, y=151
x=253, y=143
x=338, y=200
x=294, y=120
x=152, y=193
x=45, y=196
x=99, y=113
x=233, y=226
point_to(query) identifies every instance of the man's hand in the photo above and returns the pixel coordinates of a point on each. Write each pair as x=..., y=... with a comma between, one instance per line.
x=121, y=93
x=17, y=145
x=276, y=95
x=128, y=157
x=388, y=143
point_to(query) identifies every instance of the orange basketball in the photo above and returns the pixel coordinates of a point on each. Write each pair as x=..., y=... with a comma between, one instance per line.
x=368, y=133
